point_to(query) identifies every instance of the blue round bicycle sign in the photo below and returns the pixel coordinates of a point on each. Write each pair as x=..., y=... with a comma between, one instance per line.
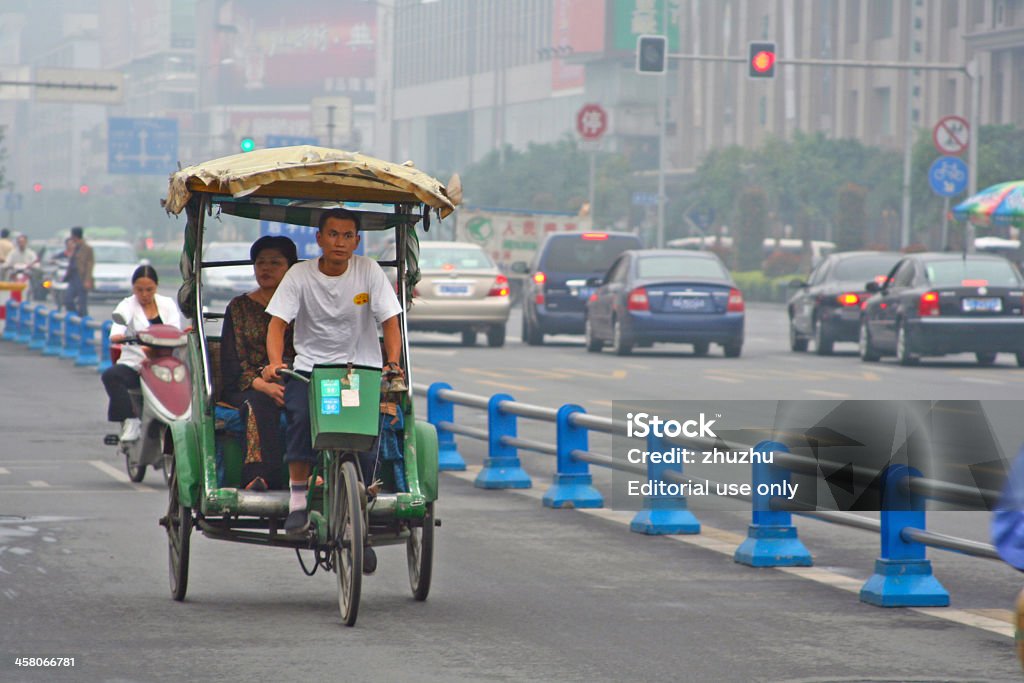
x=948, y=176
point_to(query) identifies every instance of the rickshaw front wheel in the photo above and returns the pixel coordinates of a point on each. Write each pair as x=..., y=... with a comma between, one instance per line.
x=419, y=551
x=346, y=530
x=179, y=530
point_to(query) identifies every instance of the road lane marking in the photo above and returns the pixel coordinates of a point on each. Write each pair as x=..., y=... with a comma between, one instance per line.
x=615, y=374
x=118, y=475
x=38, y=483
x=486, y=373
x=4, y=470
x=725, y=543
x=980, y=380
x=420, y=350
x=503, y=385
x=827, y=394
x=728, y=380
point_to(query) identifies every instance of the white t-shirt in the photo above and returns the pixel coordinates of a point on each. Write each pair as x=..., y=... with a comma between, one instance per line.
x=336, y=316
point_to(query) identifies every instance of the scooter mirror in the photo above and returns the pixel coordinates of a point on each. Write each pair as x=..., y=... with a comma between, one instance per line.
x=118, y=318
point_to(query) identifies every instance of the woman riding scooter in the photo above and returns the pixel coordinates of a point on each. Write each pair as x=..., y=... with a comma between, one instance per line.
x=140, y=310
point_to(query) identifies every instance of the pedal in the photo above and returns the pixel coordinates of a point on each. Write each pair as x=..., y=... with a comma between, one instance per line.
x=437, y=522
x=111, y=440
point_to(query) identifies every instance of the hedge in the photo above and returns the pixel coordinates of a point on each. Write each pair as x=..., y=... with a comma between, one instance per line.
x=756, y=286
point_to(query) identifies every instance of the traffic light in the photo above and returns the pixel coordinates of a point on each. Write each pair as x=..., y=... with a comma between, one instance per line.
x=83, y=190
x=651, y=54
x=37, y=187
x=247, y=144
x=761, y=60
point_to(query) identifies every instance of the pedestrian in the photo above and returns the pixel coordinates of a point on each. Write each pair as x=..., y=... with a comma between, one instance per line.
x=79, y=275
x=6, y=245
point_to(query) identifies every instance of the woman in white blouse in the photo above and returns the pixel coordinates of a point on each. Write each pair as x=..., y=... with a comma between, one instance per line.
x=140, y=310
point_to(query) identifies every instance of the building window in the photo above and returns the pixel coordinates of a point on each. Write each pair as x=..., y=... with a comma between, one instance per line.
x=977, y=11
x=951, y=10
x=880, y=18
x=882, y=112
x=852, y=21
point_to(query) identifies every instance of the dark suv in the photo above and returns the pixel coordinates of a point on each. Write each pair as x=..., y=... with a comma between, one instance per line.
x=556, y=292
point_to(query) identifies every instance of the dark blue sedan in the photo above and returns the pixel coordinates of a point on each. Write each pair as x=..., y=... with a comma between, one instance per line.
x=657, y=295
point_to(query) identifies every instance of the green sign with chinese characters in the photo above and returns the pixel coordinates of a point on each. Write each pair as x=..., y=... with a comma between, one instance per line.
x=634, y=18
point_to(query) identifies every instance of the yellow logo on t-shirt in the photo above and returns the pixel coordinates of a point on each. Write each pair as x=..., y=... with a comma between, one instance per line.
x=361, y=298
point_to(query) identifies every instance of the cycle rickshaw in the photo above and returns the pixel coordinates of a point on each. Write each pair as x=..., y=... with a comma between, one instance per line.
x=292, y=186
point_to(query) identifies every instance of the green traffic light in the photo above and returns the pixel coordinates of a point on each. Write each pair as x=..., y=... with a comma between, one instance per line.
x=247, y=144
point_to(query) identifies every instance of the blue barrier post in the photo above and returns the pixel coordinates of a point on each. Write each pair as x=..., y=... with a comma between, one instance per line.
x=54, y=334
x=71, y=329
x=13, y=320
x=25, y=327
x=39, y=327
x=438, y=411
x=104, y=343
x=573, y=484
x=903, y=577
x=663, y=514
x=772, y=540
x=502, y=469
x=87, y=349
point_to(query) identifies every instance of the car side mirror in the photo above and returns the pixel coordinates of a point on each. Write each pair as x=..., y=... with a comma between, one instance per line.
x=519, y=267
x=872, y=287
x=797, y=284
x=595, y=281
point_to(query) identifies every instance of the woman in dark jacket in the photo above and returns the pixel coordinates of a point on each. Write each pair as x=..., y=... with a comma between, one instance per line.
x=243, y=352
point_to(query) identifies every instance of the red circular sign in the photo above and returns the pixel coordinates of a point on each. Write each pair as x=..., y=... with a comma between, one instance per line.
x=951, y=135
x=591, y=121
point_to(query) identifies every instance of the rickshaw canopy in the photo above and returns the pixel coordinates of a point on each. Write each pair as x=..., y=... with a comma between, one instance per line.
x=314, y=173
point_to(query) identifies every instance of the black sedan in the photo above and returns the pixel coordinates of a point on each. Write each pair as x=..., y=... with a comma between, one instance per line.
x=826, y=308
x=658, y=295
x=933, y=304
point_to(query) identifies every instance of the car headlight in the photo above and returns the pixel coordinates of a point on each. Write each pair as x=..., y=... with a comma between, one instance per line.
x=179, y=373
x=163, y=374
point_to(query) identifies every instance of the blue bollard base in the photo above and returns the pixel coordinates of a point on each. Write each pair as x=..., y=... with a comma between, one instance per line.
x=502, y=473
x=572, y=491
x=51, y=350
x=773, y=546
x=904, y=583
x=664, y=521
x=449, y=460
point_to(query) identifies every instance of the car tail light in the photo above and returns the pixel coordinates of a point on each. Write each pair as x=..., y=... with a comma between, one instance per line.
x=539, y=299
x=929, y=304
x=638, y=300
x=594, y=235
x=539, y=278
x=974, y=283
x=735, y=304
x=848, y=299
x=500, y=286
x=593, y=297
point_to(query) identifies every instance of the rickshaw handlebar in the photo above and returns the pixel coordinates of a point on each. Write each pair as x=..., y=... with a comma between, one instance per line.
x=292, y=374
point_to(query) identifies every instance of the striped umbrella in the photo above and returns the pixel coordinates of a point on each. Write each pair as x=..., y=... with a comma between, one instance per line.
x=1001, y=204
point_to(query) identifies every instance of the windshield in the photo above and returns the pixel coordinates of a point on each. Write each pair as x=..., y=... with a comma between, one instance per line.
x=114, y=253
x=577, y=254
x=972, y=273
x=455, y=257
x=680, y=266
x=227, y=252
x=862, y=269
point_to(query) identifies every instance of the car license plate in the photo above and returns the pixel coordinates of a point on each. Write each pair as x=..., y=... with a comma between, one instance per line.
x=687, y=303
x=453, y=290
x=990, y=304
x=584, y=292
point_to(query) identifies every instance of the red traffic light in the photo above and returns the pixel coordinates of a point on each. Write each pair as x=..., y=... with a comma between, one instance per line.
x=37, y=187
x=763, y=61
x=83, y=189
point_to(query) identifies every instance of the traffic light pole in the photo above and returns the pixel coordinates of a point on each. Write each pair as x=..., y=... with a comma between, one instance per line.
x=970, y=70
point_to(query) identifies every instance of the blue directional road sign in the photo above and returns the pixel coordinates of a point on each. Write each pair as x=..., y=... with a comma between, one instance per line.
x=645, y=199
x=141, y=146
x=948, y=176
x=289, y=140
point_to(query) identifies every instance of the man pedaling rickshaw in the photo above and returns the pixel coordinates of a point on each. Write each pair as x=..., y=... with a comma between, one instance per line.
x=336, y=302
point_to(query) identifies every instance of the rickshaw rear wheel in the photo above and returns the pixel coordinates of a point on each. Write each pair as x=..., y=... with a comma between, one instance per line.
x=419, y=551
x=179, y=531
x=346, y=530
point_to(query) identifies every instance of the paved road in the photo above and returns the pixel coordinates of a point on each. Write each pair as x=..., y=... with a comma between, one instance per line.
x=521, y=593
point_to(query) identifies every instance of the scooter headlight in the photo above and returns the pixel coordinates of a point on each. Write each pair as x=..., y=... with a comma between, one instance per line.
x=163, y=374
x=179, y=373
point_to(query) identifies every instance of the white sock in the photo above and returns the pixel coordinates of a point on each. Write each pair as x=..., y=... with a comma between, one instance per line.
x=297, y=501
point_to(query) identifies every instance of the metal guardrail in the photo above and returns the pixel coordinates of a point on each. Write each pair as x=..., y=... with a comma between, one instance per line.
x=903, y=576
x=58, y=333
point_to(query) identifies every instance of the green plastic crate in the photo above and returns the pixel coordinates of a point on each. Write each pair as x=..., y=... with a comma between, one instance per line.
x=344, y=407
